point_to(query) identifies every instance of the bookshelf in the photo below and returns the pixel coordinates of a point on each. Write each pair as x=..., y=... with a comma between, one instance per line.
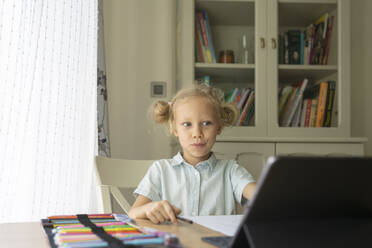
x=262, y=21
x=298, y=15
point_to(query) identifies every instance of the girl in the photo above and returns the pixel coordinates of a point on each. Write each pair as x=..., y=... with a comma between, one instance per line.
x=193, y=182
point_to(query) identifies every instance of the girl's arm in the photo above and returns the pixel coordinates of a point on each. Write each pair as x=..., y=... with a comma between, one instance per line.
x=249, y=190
x=157, y=212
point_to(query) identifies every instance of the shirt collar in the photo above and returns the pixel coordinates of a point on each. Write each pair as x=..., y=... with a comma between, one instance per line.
x=178, y=160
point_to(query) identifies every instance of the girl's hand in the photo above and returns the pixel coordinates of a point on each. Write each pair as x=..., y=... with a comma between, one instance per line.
x=161, y=211
x=156, y=212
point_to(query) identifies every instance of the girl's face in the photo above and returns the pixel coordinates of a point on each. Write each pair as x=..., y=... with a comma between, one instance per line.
x=196, y=125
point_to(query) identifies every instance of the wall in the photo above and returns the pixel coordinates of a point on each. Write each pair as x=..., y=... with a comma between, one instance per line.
x=140, y=48
x=361, y=71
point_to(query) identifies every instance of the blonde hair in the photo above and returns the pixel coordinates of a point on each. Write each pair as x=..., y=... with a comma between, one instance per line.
x=227, y=112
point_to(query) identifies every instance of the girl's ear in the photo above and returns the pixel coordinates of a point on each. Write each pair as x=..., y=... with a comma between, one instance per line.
x=175, y=133
x=174, y=130
x=219, y=130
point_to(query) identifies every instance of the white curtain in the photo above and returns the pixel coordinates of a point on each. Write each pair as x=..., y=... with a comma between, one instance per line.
x=102, y=110
x=48, y=94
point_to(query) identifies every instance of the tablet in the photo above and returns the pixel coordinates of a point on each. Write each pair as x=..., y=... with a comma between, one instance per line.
x=309, y=202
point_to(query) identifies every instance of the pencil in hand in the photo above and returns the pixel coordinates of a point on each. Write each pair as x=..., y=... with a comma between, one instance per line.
x=184, y=219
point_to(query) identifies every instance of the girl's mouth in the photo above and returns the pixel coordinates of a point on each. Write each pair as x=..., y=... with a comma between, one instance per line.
x=198, y=144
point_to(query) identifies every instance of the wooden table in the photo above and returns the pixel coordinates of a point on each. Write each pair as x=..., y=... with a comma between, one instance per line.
x=189, y=234
x=31, y=234
x=26, y=235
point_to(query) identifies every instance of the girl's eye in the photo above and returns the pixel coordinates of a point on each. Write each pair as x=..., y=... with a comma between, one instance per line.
x=207, y=123
x=186, y=124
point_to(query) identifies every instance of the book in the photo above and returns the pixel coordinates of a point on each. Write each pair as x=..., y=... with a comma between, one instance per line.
x=243, y=98
x=294, y=46
x=313, y=111
x=309, y=43
x=200, y=39
x=198, y=45
x=286, y=54
x=319, y=37
x=296, y=116
x=322, y=20
x=303, y=113
x=312, y=91
x=302, y=45
x=286, y=108
x=328, y=39
x=324, y=40
x=250, y=113
x=322, y=98
x=209, y=36
x=283, y=98
x=294, y=103
x=237, y=97
x=206, y=79
x=245, y=109
x=204, y=36
x=309, y=103
x=227, y=95
x=329, y=103
x=234, y=95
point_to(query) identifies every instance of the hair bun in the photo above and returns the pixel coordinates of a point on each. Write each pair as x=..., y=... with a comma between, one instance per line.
x=229, y=113
x=161, y=111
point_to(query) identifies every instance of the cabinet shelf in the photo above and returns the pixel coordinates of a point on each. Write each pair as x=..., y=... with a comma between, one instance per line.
x=226, y=72
x=224, y=66
x=308, y=67
x=312, y=72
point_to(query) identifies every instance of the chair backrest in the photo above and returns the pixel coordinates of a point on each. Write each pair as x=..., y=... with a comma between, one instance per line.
x=114, y=175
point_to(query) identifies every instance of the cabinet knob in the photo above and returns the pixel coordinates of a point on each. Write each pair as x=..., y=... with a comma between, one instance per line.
x=262, y=40
x=273, y=43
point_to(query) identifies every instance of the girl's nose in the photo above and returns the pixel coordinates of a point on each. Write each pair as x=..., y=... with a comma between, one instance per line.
x=197, y=134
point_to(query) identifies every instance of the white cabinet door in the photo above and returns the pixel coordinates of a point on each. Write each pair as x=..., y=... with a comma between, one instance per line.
x=298, y=15
x=324, y=149
x=251, y=156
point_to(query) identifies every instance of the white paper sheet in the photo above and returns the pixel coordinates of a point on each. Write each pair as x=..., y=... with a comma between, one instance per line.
x=226, y=224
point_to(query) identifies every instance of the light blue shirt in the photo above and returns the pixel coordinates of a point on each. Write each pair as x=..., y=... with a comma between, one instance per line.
x=210, y=188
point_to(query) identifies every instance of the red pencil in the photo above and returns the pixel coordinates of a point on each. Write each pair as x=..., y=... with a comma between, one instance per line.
x=91, y=216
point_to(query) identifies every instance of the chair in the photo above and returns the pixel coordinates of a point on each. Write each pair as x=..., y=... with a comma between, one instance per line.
x=114, y=177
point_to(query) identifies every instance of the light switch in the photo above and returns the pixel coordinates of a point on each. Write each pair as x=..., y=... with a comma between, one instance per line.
x=158, y=89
